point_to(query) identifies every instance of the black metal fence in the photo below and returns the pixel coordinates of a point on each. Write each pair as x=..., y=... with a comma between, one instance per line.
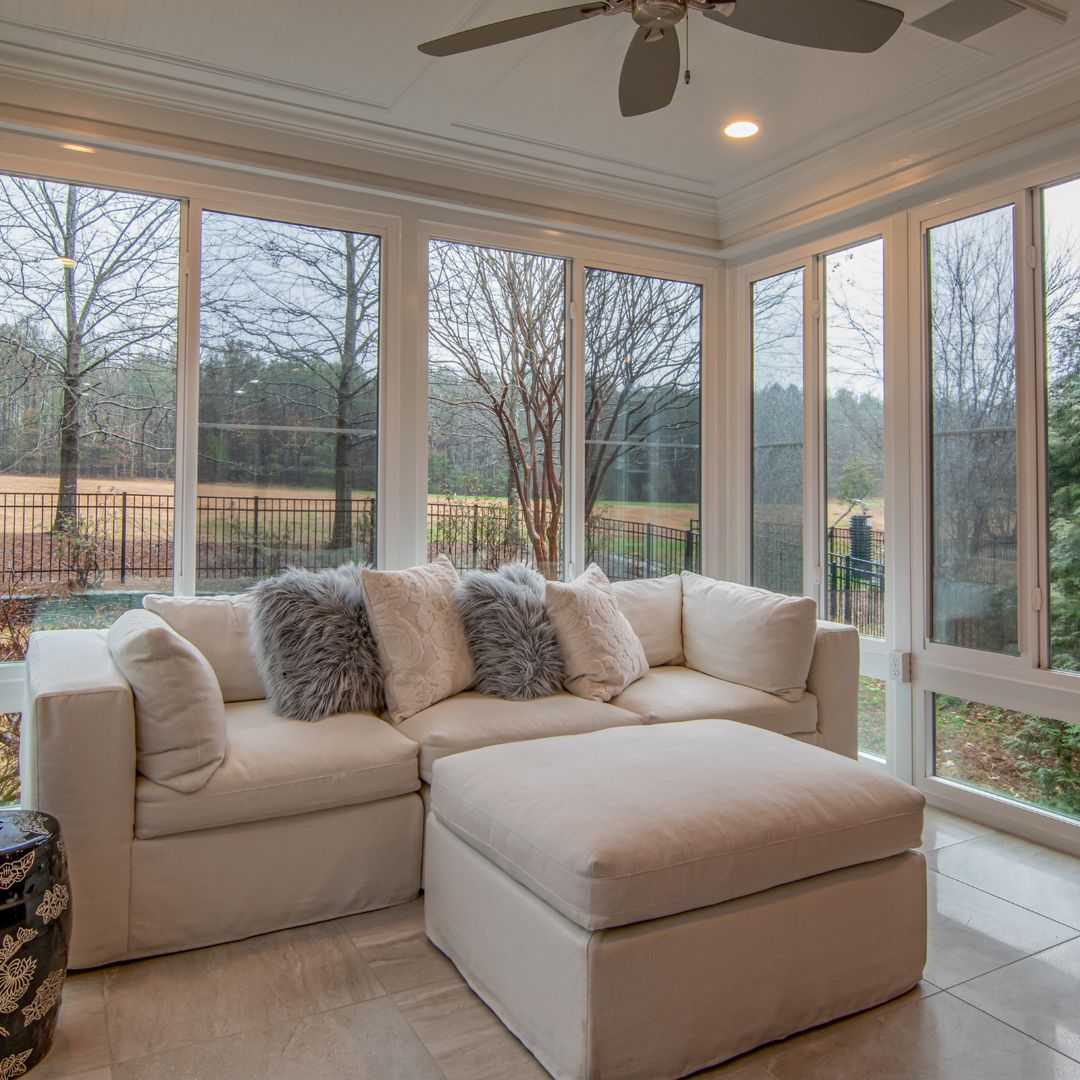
x=115, y=538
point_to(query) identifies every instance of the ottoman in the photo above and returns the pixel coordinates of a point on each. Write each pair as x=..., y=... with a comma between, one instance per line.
x=643, y=902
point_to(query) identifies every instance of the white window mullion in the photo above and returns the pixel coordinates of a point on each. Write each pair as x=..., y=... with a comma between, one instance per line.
x=813, y=407
x=574, y=423
x=185, y=511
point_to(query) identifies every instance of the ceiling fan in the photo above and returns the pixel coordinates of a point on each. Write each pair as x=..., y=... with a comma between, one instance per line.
x=650, y=71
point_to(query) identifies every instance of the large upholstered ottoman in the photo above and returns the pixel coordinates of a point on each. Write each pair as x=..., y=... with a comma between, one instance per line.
x=646, y=901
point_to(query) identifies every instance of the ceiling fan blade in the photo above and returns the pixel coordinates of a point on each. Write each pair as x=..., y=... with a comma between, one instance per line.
x=844, y=25
x=650, y=71
x=510, y=29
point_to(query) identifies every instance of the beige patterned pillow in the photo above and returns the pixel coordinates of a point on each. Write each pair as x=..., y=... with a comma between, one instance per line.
x=603, y=654
x=425, y=656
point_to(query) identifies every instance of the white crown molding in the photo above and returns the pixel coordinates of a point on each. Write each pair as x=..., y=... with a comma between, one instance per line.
x=89, y=66
x=934, y=139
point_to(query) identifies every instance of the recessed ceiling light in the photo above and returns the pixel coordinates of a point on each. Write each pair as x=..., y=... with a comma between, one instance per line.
x=741, y=129
x=79, y=148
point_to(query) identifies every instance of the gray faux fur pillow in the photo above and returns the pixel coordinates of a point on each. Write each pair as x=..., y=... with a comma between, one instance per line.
x=512, y=643
x=313, y=645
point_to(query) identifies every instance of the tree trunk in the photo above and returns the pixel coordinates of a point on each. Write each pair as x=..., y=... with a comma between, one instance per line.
x=66, y=505
x=342, y=534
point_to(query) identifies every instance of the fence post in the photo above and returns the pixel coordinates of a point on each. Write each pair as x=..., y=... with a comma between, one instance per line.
x=688, y=551
x=123, y=536
x=648, y=549
x=475, y=533
x=255, y=540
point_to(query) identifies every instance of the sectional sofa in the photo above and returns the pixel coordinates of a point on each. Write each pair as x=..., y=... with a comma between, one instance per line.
x=310, y=821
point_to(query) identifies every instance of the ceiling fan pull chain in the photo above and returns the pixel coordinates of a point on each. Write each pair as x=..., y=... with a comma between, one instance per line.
x=686, y=73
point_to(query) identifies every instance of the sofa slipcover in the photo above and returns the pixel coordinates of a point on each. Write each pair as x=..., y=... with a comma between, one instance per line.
x=276, y=767
x=669, y=694
x=470, y=720
x=628, y=824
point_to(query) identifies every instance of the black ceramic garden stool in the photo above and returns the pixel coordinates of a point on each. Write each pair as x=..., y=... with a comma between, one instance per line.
x=35, y=927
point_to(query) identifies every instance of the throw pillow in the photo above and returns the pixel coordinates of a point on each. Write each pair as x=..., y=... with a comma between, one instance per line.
x=603, y=655
x=748, y=636
x=180, y=737
x=511, y=640
x=421, y=637
x=653, y=607
x=313, y=643
x=219, y=627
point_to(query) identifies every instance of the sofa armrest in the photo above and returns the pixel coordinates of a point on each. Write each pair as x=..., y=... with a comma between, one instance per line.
x=77, y=762
x=834, y=680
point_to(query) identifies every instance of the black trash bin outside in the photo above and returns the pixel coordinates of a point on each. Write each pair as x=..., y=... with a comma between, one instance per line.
x=35, y=928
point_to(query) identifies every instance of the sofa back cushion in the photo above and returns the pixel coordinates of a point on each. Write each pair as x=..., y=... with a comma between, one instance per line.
x=748, y=636
x=421, y=638
x=219, y=627
x=602, y=653
x=180, y=737
x=653, y=607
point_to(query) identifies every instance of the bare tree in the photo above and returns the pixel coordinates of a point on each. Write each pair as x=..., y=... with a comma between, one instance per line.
x=92, y=277
x=642, y=370
x=497, y=317
x=306, y=299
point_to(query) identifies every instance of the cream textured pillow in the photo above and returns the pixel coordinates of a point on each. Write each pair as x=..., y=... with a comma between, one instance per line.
x=180, y=735
x=748, y=636
x=219, y=627
x=603, y=655
x=653, y=607
x=425, y=656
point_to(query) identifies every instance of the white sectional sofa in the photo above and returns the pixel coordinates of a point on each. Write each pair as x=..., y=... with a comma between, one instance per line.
x=309, y=821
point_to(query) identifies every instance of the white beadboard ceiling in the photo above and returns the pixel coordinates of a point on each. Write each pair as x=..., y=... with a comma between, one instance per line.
x=829, y=121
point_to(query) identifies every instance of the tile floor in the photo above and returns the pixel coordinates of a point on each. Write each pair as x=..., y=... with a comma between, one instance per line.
x=367, y=998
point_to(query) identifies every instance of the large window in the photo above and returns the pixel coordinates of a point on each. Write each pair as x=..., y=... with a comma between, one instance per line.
x=777, y=312
x=1061, y=218
x=642, y=424
x=497, y=355
x=855, y=437
x=288, y=399
x=972, y=341
x=88, y=312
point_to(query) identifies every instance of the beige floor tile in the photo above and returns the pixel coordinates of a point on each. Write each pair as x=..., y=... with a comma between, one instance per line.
x=1027, y=874
x=739, y=1069
x=932, y=1038
x=971, y=932
x=941, y=829
x=171, y=1001
x=81, y=1042
x=104, y=1073
x=1039, y=995
x=406, y=961
x=368, y=1041
x=394, y=943
x=386, y=924
x=464, y=1036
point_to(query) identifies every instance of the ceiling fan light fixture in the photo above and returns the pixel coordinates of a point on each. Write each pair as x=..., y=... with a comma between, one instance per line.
x=741, y=129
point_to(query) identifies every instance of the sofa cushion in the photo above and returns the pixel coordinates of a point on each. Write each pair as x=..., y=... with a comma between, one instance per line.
x=653, y=607
x=748, y=636
x=313, y=643
x=669, y=694
x=602, y=653
x=179, y=716
x=469, y=720
x=425, y=656
x=218, y=626
x=278, y=767
x=634, y=823
x=511, y=640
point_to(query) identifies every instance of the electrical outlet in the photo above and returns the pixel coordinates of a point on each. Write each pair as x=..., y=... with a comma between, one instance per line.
x=900, y=666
